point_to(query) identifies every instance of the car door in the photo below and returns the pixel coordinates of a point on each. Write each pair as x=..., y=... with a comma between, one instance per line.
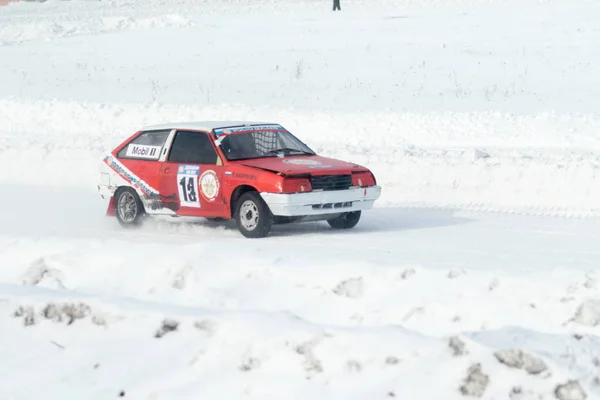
x=140, y=157
x=192, y=175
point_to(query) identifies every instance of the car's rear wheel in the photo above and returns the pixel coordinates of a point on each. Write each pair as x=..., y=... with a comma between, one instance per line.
x=252, y=215
x=129, y=209
x=345, y=221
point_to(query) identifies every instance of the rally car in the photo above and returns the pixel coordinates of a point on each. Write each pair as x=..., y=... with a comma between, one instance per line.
x=257, y=173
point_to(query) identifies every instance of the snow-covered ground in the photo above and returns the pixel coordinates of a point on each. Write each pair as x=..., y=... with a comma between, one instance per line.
x=459, y=107
x=306, y=313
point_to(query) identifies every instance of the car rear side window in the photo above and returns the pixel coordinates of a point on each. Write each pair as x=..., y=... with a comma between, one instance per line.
x=146, y=146
x=192, y=147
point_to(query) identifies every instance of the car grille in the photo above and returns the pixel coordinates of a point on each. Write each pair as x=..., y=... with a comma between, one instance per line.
x=331, y=182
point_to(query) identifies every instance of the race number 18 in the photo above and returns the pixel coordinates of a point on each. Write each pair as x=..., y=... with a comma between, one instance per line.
x=187, y=184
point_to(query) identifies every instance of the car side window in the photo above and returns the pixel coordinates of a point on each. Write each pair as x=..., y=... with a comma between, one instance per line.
x=192, y=147
x=146, y=146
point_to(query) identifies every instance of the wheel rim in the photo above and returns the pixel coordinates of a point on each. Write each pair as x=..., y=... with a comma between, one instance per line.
x=127, y=207
x=249, y=215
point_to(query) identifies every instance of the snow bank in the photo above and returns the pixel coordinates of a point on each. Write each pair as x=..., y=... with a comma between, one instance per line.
x=247, y=355
x=357, y=61
x=24, y=32
x=172, y=313
x=253, y=356
x=478, y=161
x=19, y=22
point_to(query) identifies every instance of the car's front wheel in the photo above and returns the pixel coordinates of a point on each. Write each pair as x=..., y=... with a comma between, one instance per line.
x=128, y=207
x=252, y=215
x=345, y=221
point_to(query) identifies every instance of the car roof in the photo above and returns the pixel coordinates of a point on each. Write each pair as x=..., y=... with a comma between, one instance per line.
x=204, y=125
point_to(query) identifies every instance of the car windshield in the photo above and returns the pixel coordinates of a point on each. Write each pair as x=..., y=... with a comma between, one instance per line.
x=258, y=142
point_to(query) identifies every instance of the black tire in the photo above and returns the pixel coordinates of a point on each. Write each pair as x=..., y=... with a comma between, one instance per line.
x=129, y=209
x=345, y=221
x=252, y=216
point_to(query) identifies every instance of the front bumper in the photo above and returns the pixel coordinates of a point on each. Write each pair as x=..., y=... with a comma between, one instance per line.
x=323, y=202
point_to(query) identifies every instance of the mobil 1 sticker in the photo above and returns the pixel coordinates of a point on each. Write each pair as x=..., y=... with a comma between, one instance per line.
x=187, y=184
x=143, y=151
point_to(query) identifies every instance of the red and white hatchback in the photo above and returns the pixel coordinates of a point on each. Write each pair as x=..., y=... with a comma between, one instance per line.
x=257, y=173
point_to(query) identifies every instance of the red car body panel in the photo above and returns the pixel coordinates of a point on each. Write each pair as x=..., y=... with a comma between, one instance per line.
x=210, y=206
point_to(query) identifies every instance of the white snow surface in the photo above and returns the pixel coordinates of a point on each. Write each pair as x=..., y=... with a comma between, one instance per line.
x=478, y=118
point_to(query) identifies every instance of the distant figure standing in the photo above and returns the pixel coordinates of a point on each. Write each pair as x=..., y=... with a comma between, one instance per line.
x=336, y=5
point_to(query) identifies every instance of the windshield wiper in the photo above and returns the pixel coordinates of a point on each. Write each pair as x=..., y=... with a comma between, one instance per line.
x=288, y=149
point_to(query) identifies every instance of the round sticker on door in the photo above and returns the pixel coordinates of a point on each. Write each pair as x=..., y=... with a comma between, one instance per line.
x=300, y=161
x=209, y=185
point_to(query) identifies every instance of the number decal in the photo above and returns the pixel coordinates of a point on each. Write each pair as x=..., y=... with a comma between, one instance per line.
x=187, y=184
x=188, y=189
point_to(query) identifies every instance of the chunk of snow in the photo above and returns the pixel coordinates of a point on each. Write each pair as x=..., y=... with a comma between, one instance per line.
x=352, y=288
x=475, y=383
x=167, y=325
x=519, y=359
x=457, y=345
x=588, y=313
x=571, y=390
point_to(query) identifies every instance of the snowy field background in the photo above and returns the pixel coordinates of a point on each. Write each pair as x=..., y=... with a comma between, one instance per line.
x=459, y=107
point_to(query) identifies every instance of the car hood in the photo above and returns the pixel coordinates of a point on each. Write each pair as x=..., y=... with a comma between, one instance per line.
x=292, y=165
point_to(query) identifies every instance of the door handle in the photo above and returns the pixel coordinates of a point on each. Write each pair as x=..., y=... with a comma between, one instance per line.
x=165, y=169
